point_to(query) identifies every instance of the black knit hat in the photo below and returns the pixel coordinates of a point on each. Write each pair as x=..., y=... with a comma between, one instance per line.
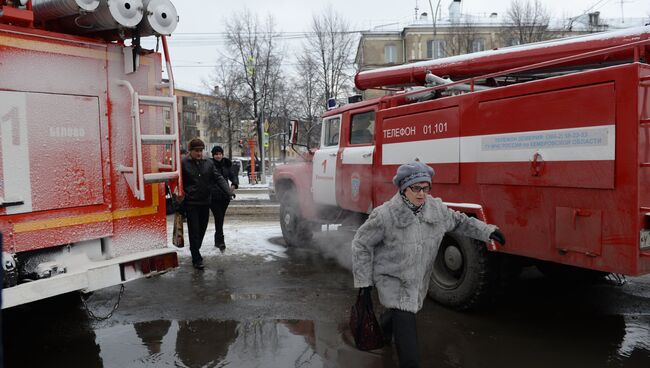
x=216, y=149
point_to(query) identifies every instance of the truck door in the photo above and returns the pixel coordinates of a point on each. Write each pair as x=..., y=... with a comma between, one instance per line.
x=324, y=168
x=355, y=175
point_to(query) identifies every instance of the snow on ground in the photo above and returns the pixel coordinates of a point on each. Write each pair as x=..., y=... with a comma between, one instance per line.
x=243, y=182
x=244, y=195
x=243, y=238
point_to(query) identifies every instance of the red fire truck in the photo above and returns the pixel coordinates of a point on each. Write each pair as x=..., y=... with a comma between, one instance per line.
x=82, y=141
x=549, y=141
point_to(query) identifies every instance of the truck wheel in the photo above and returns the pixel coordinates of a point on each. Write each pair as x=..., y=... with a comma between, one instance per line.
x=296, y=230
x=463, y=273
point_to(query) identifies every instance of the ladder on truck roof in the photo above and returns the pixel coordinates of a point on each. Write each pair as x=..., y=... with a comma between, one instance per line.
x=134, y=174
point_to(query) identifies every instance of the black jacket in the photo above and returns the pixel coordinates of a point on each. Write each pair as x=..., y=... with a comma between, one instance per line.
x=199, y=177
x=229, y=172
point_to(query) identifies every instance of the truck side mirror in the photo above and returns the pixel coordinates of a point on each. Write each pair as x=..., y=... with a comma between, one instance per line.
x=293, y=129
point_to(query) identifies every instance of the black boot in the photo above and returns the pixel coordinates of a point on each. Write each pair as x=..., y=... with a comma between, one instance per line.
x=220, y=243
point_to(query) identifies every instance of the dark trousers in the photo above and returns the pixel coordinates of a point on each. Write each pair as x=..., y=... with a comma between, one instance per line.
x=218, y=209
x=197, y=223
x=401, y=325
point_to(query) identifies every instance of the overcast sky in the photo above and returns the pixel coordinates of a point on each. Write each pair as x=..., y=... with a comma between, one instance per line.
x=196, y=42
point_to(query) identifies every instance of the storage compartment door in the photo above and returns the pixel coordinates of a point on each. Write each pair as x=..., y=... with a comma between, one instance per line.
x=578, y=230
x=50, y=151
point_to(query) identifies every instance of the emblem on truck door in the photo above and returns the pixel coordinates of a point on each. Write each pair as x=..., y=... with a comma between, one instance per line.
x=355, y=186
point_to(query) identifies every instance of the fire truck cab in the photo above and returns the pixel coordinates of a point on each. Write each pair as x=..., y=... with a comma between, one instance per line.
x=549, y=141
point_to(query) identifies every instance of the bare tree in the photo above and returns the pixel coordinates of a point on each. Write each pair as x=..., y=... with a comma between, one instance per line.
x=226, y=85
x=275, y=108
x=310, y=103
x=330, y=46
x=253, y=48
x=529, y=20
x=284, y=106
x=462, y=38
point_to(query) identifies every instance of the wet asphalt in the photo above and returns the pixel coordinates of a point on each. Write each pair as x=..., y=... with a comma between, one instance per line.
x=288, y=307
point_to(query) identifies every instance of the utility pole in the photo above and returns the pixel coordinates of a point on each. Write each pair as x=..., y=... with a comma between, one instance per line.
x=434, y=16
x=622, y=12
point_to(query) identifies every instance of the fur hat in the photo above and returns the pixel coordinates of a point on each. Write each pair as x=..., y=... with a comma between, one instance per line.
x=411, y=173
x=196, y=143
x=216, y=149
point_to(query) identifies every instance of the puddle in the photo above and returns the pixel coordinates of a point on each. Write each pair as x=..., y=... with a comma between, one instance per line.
x=451, y=340
x=199, y=343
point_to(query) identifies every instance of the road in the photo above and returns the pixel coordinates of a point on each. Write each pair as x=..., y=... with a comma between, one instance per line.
x=261, y=304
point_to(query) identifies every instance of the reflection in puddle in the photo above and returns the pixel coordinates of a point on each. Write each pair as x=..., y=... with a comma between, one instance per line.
x=636, y=341
x=446, y=338
x=549, y=340
x=211, y=343
x=455, y=341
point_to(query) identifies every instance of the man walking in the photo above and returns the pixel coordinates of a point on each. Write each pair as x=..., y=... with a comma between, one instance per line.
x=199, y=176
x=220, y=200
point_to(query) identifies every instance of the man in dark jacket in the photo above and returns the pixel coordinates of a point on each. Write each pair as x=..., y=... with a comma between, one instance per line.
x=220, y=200
x=199, y=177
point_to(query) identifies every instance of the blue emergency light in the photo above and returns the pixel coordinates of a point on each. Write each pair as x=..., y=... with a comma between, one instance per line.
x=332, y=104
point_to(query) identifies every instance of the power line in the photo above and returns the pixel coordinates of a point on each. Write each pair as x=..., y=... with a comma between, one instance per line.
x=216, y=65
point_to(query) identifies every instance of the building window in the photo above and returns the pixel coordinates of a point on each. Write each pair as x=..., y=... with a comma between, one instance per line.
x=189, y=117
x=331, y=132
x=390, y=54
x=168, y=114
x=513, y=42
x=478, y=45
x=436, y=49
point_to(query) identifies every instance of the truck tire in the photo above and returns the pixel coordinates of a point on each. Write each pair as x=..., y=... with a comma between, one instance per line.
x=464, y=273
x=296, y=230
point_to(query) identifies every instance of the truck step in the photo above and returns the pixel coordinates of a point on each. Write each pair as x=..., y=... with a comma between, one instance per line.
x=163, y=101
x=160, y=177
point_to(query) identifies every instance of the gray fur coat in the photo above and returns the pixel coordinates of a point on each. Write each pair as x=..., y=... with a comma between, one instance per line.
x=395, y=249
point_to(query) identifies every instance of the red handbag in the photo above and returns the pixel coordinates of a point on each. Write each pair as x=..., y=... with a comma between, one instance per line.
x=363, y=323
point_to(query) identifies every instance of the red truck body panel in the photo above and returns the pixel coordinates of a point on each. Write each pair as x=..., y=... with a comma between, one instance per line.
x=580, y=204
x=557, y=164
x=77, y=129
x=67, y=130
